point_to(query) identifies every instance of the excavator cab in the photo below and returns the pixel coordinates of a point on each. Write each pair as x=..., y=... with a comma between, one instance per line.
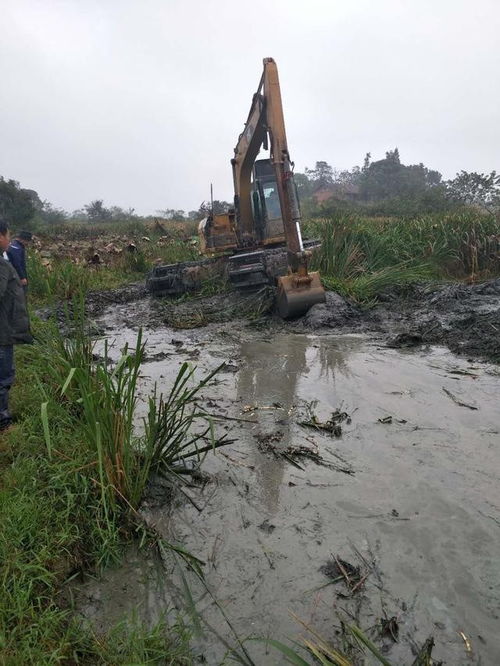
x=266, y=206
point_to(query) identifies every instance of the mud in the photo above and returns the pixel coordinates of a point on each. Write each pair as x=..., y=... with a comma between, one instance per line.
x=418, y=513
x=465, y=318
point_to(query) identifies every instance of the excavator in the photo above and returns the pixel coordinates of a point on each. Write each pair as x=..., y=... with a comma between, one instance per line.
x=260, y=238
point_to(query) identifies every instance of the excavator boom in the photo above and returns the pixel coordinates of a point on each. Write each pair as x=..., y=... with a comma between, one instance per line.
x=265, y=126
x=264, y=229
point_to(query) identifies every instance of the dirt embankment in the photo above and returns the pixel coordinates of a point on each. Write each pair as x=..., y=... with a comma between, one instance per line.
x=465, y=318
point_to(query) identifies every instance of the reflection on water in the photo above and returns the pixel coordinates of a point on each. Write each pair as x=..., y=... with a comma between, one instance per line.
x=268, y=379
x=423, y=499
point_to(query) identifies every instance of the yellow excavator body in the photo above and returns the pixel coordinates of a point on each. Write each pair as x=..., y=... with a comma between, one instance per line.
x=267, y=211
x=261, y=235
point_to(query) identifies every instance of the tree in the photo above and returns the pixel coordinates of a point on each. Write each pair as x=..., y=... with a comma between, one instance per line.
x=172, y=213
x=219, y=207
x=475, y=189
x=304, y=185
x=393, y=156
x=17, y=206
x=51, y=215
x=321, y=176
x=389, y=178
x=96, y=212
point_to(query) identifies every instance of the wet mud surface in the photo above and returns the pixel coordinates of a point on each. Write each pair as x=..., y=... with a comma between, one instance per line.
x=408, y=490
x=465, y=318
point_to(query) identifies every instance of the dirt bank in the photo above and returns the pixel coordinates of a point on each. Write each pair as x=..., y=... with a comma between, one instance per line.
x=465, y=318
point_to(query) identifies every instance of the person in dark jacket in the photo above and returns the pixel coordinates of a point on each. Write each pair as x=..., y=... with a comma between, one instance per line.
x=14, y=324
x=17, y=254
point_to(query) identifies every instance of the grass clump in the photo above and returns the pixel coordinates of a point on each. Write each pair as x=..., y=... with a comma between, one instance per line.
x=63, y=279
x=361, y=257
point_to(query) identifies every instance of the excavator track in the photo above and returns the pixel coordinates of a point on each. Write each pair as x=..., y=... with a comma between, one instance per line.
x=246, y=271
x=181, y=278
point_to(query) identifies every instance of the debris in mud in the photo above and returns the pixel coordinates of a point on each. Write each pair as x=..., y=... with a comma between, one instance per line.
x=467, y=644
x=229, y=367
x=466, y=318
x=222, y=307
x=331, y=426
x=334, y=312
x=424, y=655
x=253, y=408
x=153, y=358
x=457, y=401
x=265, y=441
x=405, y=340
x=338, y=569
x=266, y=444
x=389, y=419
x=267, y=527
x=187, y=321
x=390, y=627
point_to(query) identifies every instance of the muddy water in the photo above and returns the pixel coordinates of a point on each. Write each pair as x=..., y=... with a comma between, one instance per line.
x=420, y=503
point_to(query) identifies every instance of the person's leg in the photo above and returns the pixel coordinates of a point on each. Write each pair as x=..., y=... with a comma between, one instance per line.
x=6, y=381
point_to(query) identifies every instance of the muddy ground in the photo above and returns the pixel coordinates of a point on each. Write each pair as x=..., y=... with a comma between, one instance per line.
x=406, y=488
x=465, y=318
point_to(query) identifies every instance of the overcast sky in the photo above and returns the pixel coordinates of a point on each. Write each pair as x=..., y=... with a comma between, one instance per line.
x=140, y=102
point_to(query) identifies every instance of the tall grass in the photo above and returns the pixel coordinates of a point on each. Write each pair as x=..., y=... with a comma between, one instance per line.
x=362, y=256
x=71, y=479
x=63, y=279
x=105, y=394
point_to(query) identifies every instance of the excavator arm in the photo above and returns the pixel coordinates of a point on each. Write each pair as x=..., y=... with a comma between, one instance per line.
x=299, y=289
x=266, y=125
x=256, y=226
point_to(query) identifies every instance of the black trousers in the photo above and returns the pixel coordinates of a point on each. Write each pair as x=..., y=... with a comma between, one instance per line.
x=7, y=373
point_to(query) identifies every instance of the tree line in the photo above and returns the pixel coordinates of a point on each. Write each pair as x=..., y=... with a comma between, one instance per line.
x=388, y=186
x=380, y=187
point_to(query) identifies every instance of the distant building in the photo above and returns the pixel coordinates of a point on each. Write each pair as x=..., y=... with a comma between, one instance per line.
x=342, y=191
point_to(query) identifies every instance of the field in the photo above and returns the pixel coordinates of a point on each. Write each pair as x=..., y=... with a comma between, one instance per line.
x=360, y=257
x=76, y=466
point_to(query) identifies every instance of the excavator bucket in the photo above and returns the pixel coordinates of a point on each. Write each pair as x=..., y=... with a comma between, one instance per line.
x=297, y=294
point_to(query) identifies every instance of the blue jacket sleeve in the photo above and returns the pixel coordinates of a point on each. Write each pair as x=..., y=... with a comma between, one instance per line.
x=17, y=258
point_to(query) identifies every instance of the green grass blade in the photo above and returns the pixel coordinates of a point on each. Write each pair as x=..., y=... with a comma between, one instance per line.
x=68, y=380
x=290, y=654
x=45, y=423
x=360, y=636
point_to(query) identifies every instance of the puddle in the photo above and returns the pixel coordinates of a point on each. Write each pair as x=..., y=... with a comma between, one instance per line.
x=423, y=501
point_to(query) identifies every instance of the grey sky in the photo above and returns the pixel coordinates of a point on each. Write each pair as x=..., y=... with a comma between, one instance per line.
x=140, y=102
